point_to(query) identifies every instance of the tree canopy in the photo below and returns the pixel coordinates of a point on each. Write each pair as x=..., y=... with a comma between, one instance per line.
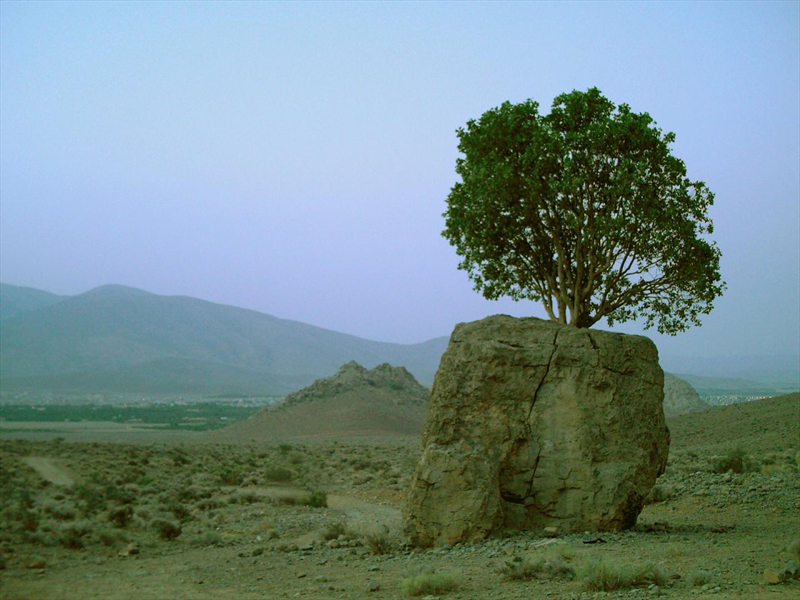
x=585, y=210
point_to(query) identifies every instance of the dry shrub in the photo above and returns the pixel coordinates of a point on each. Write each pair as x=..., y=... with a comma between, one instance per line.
x=698, y=578
x=736, y=461
x=427, y=583
x=378, y=543
x=550, y=565
x=608, y=576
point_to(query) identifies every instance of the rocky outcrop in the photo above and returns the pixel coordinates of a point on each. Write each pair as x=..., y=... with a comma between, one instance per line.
x=355, y=402
x=353, y=377
x=680, y=398
x=533, y=424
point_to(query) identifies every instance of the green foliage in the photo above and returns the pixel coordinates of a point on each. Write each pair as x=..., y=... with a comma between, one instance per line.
x=111, y=537
x=201, y=416
x=608, y=576
x=72, y=535
x=278, y=474
x=428, y=583
x=121, y=515
x=232, y=476
x=167, y=530
x=585, y=210
x=316, y=499
x=736, y=460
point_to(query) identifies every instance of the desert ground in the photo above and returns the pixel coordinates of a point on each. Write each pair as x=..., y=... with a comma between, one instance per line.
x=117, y=514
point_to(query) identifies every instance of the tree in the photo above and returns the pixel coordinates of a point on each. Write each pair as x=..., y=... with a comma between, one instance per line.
x=585, y=210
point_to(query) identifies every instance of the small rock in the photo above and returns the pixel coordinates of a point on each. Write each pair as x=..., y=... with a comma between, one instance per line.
x=772, y=577
x=374, y=586
x=301, y=575
x=35, y=563
x=373, y=568
x=551, y=532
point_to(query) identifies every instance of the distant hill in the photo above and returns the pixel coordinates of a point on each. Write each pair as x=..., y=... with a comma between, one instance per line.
x=354, y=402
x=116, y=338
x=15, y=300
x=680, y=397
x=776, y=372
x=764, y=425
x=721, y=386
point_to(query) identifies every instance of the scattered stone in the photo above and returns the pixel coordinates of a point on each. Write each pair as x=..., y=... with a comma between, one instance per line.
x=374, y=586
x=551, y=532
x=533, y=424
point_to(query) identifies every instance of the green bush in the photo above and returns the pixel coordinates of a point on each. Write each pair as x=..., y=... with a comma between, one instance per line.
x=62, y=511
x=736, y=460
x=234, y=476
x=278, y=474
x=167, y=530
x=318, y=499
x=72, y=535
x=121, y=515
x=428, y=583
x=111, y=537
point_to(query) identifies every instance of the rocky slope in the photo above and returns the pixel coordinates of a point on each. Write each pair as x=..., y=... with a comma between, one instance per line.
x=355, y=401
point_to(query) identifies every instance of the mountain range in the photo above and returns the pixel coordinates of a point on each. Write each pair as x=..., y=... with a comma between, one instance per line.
x=121, y=339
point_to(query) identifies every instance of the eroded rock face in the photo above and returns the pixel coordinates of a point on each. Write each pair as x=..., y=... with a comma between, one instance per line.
x=533, y=424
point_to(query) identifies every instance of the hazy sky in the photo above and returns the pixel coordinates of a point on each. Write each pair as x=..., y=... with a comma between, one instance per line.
x=295, y=158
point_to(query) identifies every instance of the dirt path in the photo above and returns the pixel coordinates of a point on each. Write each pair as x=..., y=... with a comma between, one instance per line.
x=50, y=470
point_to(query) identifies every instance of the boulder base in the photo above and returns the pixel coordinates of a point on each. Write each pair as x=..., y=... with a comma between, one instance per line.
x=533, y=424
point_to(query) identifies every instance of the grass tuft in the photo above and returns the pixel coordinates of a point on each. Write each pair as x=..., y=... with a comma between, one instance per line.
x=427, y=583
x=609, y=576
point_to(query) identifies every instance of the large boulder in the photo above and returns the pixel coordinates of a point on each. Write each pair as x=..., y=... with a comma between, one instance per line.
x=533, y=424
x=680, y=398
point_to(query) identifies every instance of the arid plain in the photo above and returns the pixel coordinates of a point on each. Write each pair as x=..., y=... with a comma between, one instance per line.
x=224, y=515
